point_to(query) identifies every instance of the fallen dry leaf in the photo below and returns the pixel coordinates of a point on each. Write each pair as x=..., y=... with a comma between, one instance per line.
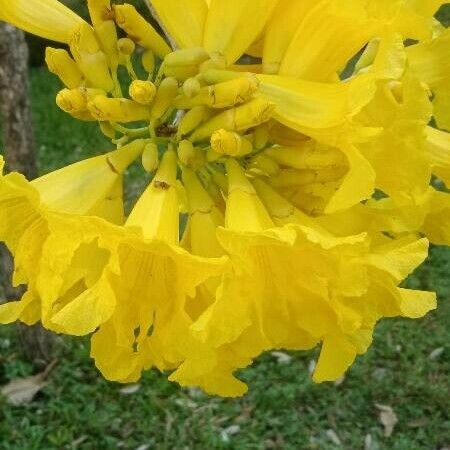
x=228, y=432
x=195, y=392
x=312, y=366
x=333, y=437
x=368, y=442
x=388, y=419
x=436, y=353
x=186, y=403
x=282, y=358
x=340, y=381
x=23, y=390
x=130, y=389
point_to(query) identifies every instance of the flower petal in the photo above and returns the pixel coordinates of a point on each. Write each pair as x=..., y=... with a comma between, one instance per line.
x=336, y=356
x=438, y=149
x=416, y=304
x=227, y=29
x=358, y=184
x=441, y=104
x=76, y=189
x=328, y=37
x=184, y=20
x=430, y=61
x=49, y=19
x=280, y=30
x=305, y=104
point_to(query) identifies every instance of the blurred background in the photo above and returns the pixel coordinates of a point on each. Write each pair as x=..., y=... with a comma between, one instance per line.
x=397, y=397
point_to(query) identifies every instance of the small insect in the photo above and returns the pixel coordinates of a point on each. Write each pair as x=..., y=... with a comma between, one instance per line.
x=166, y=130
x=161, y=185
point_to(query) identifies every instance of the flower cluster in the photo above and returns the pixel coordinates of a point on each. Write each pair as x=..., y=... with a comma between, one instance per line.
x=295, y=149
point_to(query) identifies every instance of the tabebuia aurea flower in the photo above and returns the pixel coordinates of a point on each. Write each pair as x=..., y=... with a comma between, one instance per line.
x=295, y=151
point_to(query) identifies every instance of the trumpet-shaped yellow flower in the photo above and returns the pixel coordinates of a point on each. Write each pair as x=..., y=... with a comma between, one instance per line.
x=30, y=210
x=287, y=194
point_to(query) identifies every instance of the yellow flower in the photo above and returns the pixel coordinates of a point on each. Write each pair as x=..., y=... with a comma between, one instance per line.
x=29, y=211
x=288, y=191
x=147, y=277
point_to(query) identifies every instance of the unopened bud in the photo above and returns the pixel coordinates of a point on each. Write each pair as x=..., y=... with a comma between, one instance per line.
x=191, y=120
x=186, y=152
x=100, y=11
x=126, y=46
x=140, y=30
x=71, y=100
x=216, y=62
x=150, y=157
x=107, y=129
x=148, y=61
x=165, y=96
x=212, y=155
x=102, y=19
x=91, y=60
x=191, y=87
x=230, y=143
x=222, y=95
x=265, y=164
x=249, y=115
x=261, y=136
x=117, y=109
x=185, y=63
x=142, y=92
x=76, y=100
x=61, y=64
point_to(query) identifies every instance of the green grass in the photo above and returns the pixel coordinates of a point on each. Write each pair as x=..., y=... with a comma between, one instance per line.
x=283, y=409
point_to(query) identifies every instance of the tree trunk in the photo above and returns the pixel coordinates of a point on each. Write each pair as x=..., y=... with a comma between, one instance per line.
x=19, y=144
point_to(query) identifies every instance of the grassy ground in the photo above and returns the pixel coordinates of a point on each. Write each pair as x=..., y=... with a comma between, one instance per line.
x=284, y=410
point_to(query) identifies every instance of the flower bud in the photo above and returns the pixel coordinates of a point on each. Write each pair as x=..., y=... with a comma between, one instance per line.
x=126, y=46
x=230, y=143
x=71, y=100
x=265, y=164
x=150, y=157
x=216, y=62
x=148, y=61
x=76, y=100
x=117, y=109
x=186, y=152
x=222, y=95
x=191, y=120
x=191, y=87
x=100, y=11
x=91, y=60
x=165, y=96
x=61, y=64
x=261, y=136
x=107, y=130
x=140, y=30
x=185, y=63
x=142, y=92
x=249, y=115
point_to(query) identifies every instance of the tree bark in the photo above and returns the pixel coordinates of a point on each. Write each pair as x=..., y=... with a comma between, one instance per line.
x=19, y=146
